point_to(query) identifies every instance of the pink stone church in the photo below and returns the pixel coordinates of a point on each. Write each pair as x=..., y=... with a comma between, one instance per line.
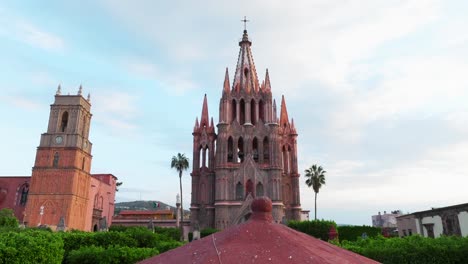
x=250, y=153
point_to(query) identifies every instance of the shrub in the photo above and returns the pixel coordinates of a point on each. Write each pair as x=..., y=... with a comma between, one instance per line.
x=412, y=249
x=30, y=246
x=207, y=231
x=351, y=233
x=316, y=228
x=7, y=218
x=111, y=255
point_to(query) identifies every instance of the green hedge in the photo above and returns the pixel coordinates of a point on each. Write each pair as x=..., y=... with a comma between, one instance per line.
x=412, y=249
x=207, y=231
x=31, y=246
x=110, y=255
x=352, y=233
x=316, y=228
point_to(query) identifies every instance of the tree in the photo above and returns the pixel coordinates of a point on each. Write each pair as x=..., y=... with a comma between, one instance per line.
x=180, y=163
x=7, y=218
x=315, y=178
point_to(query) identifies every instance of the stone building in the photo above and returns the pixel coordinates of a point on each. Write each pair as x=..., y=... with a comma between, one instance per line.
x=61, y=193
x=450, y=220
x=251, y=153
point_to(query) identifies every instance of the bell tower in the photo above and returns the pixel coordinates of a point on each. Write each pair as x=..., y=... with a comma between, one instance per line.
x=61, y=177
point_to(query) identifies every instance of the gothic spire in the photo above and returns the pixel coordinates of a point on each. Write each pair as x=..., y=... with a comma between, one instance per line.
x=204, y=120
x=267, y=81
x=284, y=120
x=275, y=117
x=80, y=90
x=196, y=124
x=226, y=82
x=59, y=90
x=245, y=77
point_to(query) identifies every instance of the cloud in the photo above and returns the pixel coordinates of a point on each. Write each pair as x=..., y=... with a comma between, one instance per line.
x=20, y=29
x=22, y=102
x=116, y=109
x=175, y=83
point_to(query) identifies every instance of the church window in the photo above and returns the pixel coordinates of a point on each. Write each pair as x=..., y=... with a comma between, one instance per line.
x=56, y=160
x=259, y=189
x=242, y=112
x=239, y=191
x=240, y=150
x=233, y=110
x=207, y=159
x=253, y=111
x=230, y=150
x=64, y=122
x=266, y=150
x=261, y=110
x=249, y=188
x=255, y=149
x=24, y=194
x=201, y=157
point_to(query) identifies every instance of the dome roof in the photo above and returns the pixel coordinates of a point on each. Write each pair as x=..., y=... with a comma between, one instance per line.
x=259, y=240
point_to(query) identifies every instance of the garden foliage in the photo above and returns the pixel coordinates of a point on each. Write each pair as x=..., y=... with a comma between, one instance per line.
x=352, y=233
x=317, y=228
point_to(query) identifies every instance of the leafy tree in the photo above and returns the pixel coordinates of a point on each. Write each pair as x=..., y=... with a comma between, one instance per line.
x=7, y=218
x=315, y=178
x=180, y=163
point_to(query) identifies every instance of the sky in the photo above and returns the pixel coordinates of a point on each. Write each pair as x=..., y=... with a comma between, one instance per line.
x=378, y=90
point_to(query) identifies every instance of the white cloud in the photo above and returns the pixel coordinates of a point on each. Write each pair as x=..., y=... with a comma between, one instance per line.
x=22, y=102
x=116, y=109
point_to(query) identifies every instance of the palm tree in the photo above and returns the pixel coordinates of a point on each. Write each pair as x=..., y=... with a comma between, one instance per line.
x=180, y=163
x=315, y=178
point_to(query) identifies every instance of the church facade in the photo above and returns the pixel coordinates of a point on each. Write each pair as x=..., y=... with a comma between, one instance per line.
x=251, y=152
x=62, y=193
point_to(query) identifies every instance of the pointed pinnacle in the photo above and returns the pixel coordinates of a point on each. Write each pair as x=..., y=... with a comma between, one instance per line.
x=196, y=124
x=284, y=113
x=80, y=90
x=204, y=115
x=89, y=97
x=59, y=90
x=267, y=81
x=226, y=82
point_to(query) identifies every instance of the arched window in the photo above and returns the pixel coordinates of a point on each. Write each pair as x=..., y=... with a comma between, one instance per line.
x=255, y=149
x=83, y=163
x=261, y=111
x=253, y=111
x=285, y=160
x=249, y=188
x=207, y=159
x=233, y=110
x=266, y=150
x=239, y=191
x=230, y=150
x=242, y=112
x=56, y=160
x=64, y=122
x=240, y=150
x=259, y=189
x=200, y=157
x=24, y=190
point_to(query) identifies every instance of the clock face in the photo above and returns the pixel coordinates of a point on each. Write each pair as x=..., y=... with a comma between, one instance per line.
x=58, y=139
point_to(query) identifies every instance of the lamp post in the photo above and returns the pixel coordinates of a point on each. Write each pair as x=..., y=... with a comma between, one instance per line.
x=41, y=212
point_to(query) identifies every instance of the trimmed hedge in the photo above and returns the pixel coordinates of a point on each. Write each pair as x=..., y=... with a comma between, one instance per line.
x=31, y=246
x=317, y=228
x=207, y=231
x=352, y=233
x=412, y=249
x=110, y=255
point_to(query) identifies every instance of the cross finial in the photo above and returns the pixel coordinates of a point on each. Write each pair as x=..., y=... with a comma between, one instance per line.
x=245, y=22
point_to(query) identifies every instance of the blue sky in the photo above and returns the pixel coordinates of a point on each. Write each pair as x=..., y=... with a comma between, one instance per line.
x=377, y=89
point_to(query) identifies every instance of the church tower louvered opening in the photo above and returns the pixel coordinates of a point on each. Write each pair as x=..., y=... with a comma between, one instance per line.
x=252, y=153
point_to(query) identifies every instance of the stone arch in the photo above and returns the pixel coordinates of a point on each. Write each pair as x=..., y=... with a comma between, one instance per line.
x=233, y=110
x=266, y=150
x=240, y=150
x=64, y=121
x=261, y=110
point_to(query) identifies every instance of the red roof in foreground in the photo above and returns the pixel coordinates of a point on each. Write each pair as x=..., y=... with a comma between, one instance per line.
x=258, y=240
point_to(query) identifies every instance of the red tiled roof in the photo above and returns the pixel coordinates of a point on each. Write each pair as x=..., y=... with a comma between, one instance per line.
x=138, y=212
x=259, y=240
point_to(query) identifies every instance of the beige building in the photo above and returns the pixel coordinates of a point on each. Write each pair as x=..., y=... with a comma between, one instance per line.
x=386, y=220
x=451, y=220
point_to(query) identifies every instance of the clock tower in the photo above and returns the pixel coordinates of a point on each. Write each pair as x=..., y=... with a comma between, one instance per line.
x=61, y=177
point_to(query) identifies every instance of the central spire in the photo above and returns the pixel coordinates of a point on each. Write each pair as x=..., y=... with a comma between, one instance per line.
x=245, y=77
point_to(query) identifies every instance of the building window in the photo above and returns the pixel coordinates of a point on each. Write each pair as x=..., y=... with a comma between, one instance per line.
x=24, y=194
x=430, y=230
x=410, y=232
x=266, y=150
x=230, y=153
x=56, y=160
x=242, y=112
x=233, y=110
x=239, y=191
x=255, y=149
x=240, y=150
x=64, y=122
x=253, y=112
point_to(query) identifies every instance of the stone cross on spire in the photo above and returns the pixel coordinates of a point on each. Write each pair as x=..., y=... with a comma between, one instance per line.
x=245, y=22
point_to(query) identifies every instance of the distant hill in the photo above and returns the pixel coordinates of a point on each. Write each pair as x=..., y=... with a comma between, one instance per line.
x=143, y=206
